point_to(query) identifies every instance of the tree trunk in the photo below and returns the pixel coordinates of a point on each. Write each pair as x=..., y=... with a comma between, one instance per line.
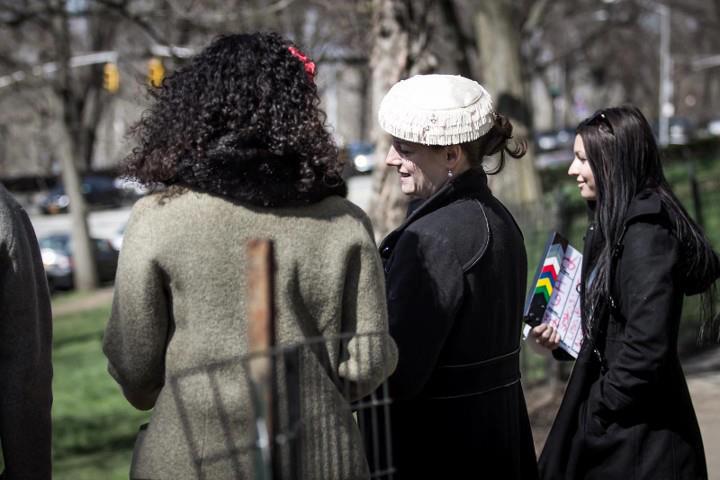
x=85, y=273
x=499, y=42
x=465, y=45
x=398, y=52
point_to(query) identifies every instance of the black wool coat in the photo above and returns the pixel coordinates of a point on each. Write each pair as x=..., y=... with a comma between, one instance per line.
x=632, y=418
x=25, y=349
x=455, y=278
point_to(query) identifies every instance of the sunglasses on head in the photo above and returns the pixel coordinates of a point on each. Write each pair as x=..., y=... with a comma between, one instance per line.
x=600, y=118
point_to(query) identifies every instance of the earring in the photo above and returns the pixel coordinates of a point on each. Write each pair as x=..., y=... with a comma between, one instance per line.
x=450, y=173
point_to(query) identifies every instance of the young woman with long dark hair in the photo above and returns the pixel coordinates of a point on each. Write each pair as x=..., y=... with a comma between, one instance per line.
x=627, y=411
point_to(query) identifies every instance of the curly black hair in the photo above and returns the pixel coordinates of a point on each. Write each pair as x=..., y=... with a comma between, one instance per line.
x=241, y=120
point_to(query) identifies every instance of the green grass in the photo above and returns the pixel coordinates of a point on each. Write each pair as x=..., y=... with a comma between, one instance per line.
x=61, y=298
x=93, y=425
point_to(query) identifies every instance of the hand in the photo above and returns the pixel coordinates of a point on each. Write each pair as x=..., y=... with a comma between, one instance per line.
x=545, y=336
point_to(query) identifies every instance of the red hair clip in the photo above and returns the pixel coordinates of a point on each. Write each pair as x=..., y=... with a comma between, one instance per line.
x=309, y=64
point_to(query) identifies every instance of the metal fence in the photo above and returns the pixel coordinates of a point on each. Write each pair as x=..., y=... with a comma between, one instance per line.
x=320, y=403
x=313, y=420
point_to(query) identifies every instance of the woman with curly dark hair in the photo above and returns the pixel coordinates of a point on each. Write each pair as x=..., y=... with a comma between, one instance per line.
x=238, y=141
x=241, y=121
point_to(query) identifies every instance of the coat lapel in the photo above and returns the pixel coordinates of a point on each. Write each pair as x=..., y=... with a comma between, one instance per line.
x=472, y=183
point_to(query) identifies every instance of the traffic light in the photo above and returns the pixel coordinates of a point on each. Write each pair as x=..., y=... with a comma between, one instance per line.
x=156, y=72
x=111, y=77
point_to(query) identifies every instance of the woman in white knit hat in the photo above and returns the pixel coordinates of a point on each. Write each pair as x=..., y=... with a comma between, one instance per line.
x=455, y=276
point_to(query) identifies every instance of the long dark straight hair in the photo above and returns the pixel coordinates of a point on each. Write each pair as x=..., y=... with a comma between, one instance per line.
x=624, y=159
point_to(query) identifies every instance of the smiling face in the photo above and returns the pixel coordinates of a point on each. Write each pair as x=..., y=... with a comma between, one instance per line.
x=422, y=169
x=580, y=169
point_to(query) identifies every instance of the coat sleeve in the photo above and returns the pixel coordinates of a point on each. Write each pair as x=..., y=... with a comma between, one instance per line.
x=25, y=350
x=137, y=331
x=371, y=355
x=648, y=294
x=561, y=355
x=424, y=287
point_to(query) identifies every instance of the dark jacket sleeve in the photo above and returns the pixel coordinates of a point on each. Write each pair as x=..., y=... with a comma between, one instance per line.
x=424, y=289
x=562, y=355
x=25, y=351
x=648, y=301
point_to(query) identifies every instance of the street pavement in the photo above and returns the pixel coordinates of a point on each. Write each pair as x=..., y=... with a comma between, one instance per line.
x=102, y=223
x=106, y=223
x=705, y=392
x=360, y=189
x=703, y=376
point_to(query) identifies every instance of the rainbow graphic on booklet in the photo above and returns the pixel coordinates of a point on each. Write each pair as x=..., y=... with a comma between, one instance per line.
x=545, y=279
x=554, y=296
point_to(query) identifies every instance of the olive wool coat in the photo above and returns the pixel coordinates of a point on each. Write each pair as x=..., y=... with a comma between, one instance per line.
x=178, y=324
x=25, y=348
x=456, y=275
x=627, y=412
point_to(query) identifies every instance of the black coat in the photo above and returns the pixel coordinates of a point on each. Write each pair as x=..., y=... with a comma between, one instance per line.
x=632, y=418
x=25, y=349
x=455, y=276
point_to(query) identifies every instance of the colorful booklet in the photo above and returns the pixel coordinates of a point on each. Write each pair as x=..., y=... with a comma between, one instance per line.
x=554, y=295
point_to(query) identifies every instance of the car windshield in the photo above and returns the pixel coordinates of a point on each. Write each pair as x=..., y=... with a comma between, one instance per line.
x=55, y=243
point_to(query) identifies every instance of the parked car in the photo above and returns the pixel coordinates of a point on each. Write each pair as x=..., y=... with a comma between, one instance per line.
x=97, y=191
x=57, y=256
x=117, y=239
x=554, y=147
x=132, y=189
x=360, y=158
x=713, y=127
x=680, y=130
x=551, y=140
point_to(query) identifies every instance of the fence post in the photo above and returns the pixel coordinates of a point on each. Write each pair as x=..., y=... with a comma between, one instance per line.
x=261, y=339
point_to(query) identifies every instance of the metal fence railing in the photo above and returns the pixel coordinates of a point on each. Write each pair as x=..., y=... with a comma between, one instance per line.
x=319, y=404
x=313, y=425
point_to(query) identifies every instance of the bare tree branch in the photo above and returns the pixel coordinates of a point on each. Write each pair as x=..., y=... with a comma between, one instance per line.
x=538, y=9
x=587, y=40
x=465, y=44
x=270, y=9
x=14, y=17
x=143, y=24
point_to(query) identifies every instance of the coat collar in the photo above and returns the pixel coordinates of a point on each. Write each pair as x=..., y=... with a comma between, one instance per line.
x=647, y=202
x=470, y=184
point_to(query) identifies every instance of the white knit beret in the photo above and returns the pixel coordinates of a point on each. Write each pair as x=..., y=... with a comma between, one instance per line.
x=437, y=110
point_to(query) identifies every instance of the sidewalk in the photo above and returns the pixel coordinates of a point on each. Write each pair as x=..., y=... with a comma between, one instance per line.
x=703, y=376
x=66, y=306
